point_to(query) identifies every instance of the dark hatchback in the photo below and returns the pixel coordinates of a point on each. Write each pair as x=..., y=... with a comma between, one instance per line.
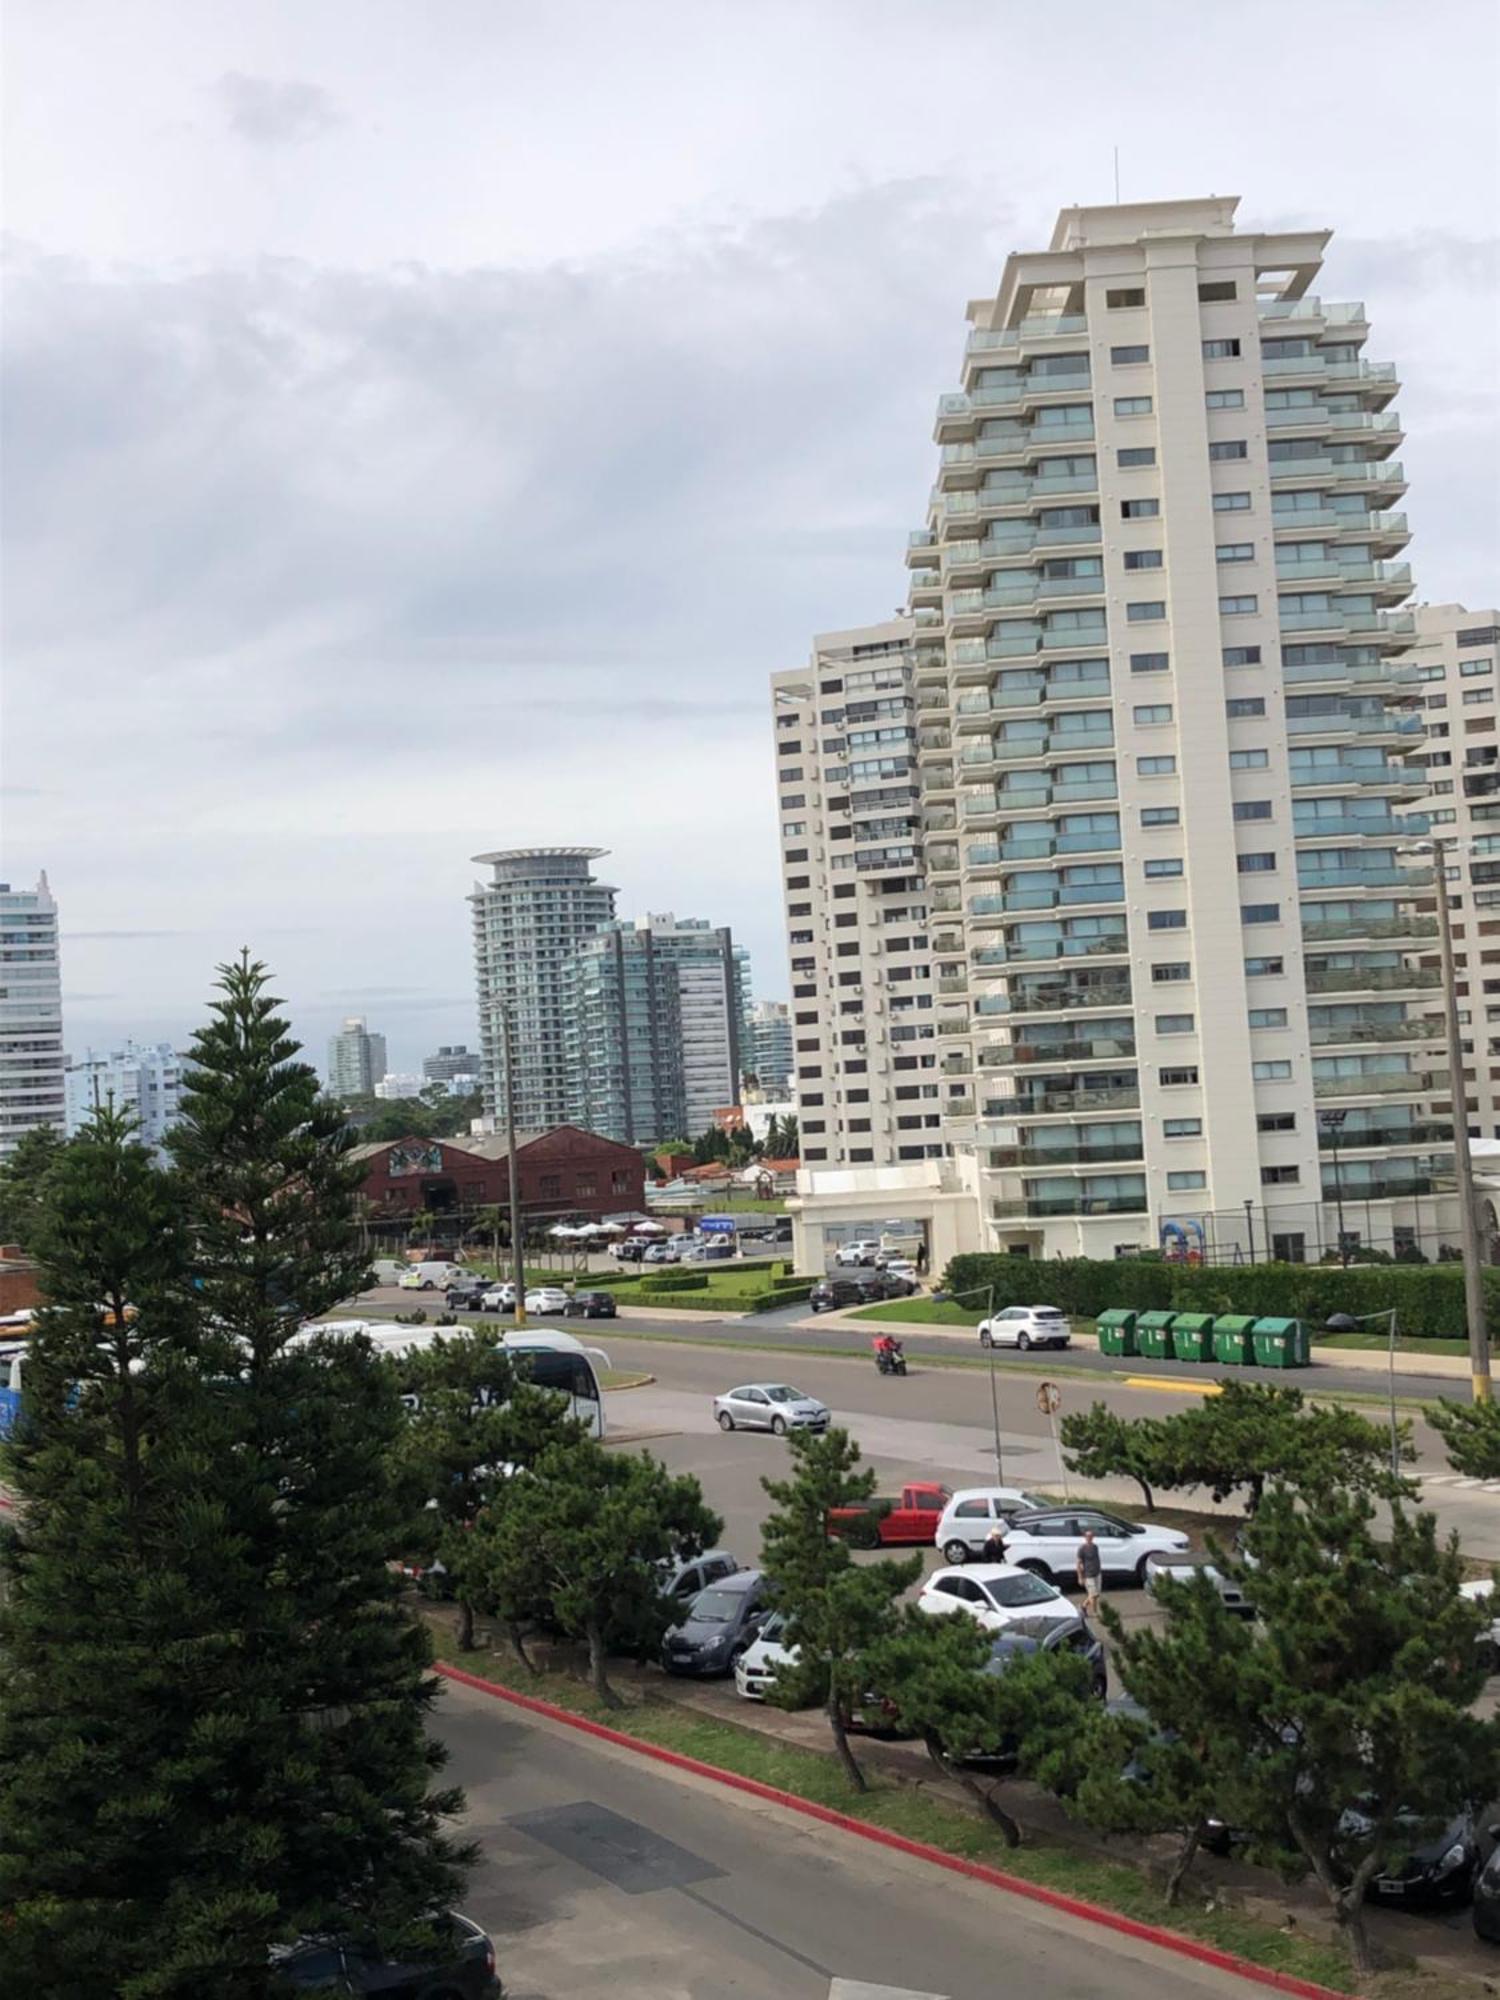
x=592, y=1305
x=1438, y=1873
x=466, y=1295
x=717, y=1626
x=858, y=1288
x=462, y=1968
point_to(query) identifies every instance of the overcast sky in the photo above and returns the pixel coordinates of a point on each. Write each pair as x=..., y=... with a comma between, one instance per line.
x=428, y=422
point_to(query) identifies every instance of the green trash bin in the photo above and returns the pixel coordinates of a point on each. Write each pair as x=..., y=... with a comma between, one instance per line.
x=1117, y=1331
x=1192, y=1336
x=1232, y=1342
x=1280, y=1343
x=1153, y=1334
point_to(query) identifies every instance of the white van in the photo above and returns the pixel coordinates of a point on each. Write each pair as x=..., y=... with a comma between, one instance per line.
x=434, y=1277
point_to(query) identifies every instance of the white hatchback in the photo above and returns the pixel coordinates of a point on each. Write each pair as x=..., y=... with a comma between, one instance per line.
x=995, y=1595
x=971, y=1514
x=547, y=1299
x=1026, y=1326
x=757, y=1667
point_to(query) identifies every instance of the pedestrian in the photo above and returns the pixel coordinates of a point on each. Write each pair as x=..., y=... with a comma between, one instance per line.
x=921, y=1260
x=994, y=1544
x=1089, y=1570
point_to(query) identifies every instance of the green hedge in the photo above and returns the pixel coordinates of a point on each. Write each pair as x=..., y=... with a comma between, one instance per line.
x=1429, y=1299
x=673, y=1281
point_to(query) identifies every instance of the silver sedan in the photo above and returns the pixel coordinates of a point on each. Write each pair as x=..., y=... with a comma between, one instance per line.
x=769, y=1406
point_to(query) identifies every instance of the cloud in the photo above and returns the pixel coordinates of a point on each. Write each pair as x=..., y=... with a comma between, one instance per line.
x=264, y=112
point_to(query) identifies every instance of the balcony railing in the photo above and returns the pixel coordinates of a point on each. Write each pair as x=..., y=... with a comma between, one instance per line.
x=1028, y=1157
x=990, y=340
x=1350, y=1032
x=1350, y=1138
x=1090, y=1049
x=1058, y=999
x=1318, y=930
x=1372, y=979
x=1082, y=1204
x=1050, y=1104
x=1382, y=1083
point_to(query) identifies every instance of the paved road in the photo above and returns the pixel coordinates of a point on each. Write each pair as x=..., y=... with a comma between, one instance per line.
x=605, y=1876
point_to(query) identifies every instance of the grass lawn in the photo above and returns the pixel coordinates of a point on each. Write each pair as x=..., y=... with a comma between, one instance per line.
x=1115, y=1885
x=624, y=1378
x=1409, y=1345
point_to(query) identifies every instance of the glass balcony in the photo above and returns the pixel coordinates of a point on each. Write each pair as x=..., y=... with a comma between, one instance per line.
x=1358, y=673
x=1372, y=978
x=1058, y=999
x=1080, y=1204
x=1351, y=314
x=1350, y=1138
x=1322, y=930
x=1311, y=416
x=1096, y=1048
x=987, y=340
x=1392, y=777
x=1063, y=1103
x=1383, y=722
x=1354, y=1032
x=1382, y=1083
x=1034, y=1159
x=1379, y=374
x=1341, y=471
x=1040, y=949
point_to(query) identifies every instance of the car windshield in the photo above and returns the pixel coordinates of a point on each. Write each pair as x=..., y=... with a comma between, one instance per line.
x=1007, y=1591
x=780, y=1393
x=715, y=1606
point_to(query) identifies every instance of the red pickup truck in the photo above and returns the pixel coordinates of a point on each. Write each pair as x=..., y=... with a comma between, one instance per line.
x=888, y=1520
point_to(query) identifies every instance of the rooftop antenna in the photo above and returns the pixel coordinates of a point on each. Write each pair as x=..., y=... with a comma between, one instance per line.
x=1117, y=177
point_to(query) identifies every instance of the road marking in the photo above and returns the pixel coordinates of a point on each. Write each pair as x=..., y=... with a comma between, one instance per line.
x=1177, y=1386
x=859, y=1989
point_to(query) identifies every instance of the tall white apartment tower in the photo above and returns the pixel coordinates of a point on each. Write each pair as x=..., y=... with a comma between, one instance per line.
x=32, y=1091
x=1455, y=656
x=1156, y=608
x=870, y=1089
x=356, y=1059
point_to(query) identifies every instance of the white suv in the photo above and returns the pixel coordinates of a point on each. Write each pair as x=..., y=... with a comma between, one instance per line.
x=1026, y=1326
x=970, y=1515
x=1048, y=1543
x=863, y=1252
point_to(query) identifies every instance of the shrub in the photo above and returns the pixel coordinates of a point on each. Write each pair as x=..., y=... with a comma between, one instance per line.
x=674, y=1281
x=1429, y=1298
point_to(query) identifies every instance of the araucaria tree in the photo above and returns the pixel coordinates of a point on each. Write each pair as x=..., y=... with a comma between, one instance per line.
x=1471, y=1436
x=836, y=1609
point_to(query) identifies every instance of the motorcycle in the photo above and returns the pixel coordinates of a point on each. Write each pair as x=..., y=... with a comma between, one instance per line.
x=889, y=1359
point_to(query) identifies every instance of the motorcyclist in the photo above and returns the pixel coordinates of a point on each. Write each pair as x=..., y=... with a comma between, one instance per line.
x=888, y=1352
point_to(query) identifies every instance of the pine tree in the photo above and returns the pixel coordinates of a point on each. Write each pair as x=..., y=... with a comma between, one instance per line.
x=21, y=1178
x=1471, y=1436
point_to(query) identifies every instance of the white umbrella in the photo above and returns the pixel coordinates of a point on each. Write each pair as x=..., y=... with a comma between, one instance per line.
x=650, y=1229
x=609, y=1228
x=562, y=1229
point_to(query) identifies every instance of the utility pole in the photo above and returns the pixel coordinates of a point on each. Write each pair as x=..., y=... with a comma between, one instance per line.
x=1463, y=1165
x=517, y=1259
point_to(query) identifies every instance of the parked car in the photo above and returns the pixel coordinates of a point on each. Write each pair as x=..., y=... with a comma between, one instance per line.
x=1487, y=1893
x=1047, y=1543
x=547, y=1299
x=900, y=1267
x=1026, y=1326
x=757, y=1667
x=1439, y=1871
x=462, y=1968
x=1073, y=1633
x=1182, y=1569
x=887, y=1284
x=592, y=1305
x=865, y=1251
x=468, y=1294
x=717, y=1626
x=971, y=1514
x=683, y=1580
x=630, y=1251
x=995, y=1595
x=431, y=1276
x=664, y=1251
x=892, y=1520
x=715, y=1251
x=499, y=1298
x=1481, y=1591
x=833, y=1293
x=770, y=1406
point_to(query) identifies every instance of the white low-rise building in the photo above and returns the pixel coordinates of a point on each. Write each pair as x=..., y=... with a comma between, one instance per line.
x=143, y=1079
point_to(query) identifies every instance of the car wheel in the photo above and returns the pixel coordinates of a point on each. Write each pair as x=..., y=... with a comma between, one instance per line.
x=986, y=1339
x=726, y=1422
x=778, y=1427
x=956, y=1553
x=1142, y=1572
x=1023, y=1340
x=1041, y=1569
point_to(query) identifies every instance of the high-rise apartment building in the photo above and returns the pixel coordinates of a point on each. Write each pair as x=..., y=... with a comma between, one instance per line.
x=711, y=978
x=452, y=1064
x=145, y=1081
x=1163, y=744
x=1454, y=657
x=538, y=904
x=32, y=1092
x=356, y=1059
x=870, y=1088
x=769, y=1059
x=624, y=1038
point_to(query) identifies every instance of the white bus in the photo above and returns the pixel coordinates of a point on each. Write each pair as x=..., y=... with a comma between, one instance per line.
x=554, y=1359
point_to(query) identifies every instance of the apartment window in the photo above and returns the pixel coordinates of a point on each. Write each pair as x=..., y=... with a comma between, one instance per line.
x=1279, y=1176
x=1268, y=1017
x=1237, y=607
x=1260, y=913
x=1470, y=669
x=1139, y=510
x=1148, y=663
x=1229, y=448
x=1474, y=696
x=1220, y=350
x=1256, y=864
x=1264, y=968
x=1174, y=1024
x=1152, y=713
x=1146, y=610
x=1225, y=399
x=1155, y=767
x=1276, y=1121
x=1166, y=920
x=1235, y=552
x=1127, y=357
x=1163, y=870
x=1134, y=295
x=1271, y=1072
x=1212, y=289
x=1249, y=760
x=1252, y=809
x=1244, y=705
x=1181, y=1073
x=1132, y=406
x=1135, y=454
x=1188, y=1177
x=1231, y=503
x=1143, y=559
x=1182, y=1128
x=1160, y=815
x=1242, y=656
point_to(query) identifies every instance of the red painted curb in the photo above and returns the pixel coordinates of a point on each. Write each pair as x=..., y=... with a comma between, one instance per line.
x=978, y=1871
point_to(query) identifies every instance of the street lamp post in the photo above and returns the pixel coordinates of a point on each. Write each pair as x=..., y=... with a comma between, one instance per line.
x=1250, y=1225
x=987, y=1292
x=517, y=1255
x=1332, y=1123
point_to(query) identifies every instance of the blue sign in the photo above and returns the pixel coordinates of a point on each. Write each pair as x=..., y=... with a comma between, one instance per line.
x=717, y=1225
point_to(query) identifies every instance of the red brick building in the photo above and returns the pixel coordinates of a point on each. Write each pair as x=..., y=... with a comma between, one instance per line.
x=564, y=1172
